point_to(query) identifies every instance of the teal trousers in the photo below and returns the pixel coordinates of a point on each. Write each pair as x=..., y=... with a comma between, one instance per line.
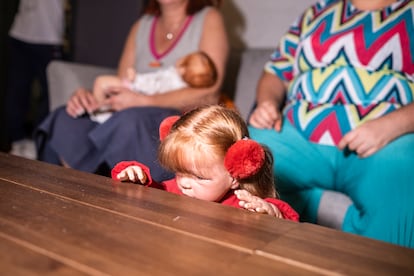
x=381, y=187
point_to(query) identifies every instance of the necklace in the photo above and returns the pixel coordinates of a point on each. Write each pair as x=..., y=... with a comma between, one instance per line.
x=169, y=36
x=171, y=33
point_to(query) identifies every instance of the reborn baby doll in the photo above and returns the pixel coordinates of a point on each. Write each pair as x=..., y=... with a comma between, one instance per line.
x=213, y=159
x=194, y=70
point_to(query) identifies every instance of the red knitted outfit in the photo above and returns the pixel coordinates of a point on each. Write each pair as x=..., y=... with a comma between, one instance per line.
x=229, y=199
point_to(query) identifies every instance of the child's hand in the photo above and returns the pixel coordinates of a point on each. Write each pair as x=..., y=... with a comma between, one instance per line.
x=256, y=204
x=134, y=174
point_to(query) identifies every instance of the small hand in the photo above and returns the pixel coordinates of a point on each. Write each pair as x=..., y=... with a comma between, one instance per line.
x=134, y=174
x=266, y=115
x=256, y=204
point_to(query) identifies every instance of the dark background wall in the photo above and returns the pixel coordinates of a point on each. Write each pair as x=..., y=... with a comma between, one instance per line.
x=100, y=28
x=7, y=10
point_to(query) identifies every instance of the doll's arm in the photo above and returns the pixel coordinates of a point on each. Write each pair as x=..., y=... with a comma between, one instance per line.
x=134, y=174
x=257, y=204
x=131, y=171
x=270, y=206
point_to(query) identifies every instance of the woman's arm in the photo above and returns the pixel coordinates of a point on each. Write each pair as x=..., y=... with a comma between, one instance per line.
x=127, y=59
x=270, y=98
x=213, y=41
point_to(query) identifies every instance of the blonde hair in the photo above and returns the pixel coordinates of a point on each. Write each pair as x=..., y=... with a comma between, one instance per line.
x=208, y=132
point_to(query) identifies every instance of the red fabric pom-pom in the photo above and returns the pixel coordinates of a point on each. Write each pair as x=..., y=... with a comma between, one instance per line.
x=244, y=158
x=166, y=125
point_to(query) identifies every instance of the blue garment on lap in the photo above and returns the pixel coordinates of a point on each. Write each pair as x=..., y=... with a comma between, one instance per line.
x=131, y=134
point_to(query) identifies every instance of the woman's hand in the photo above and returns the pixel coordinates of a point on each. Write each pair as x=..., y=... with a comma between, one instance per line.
x=122, y=98
x=373, y=135
x=367, y=138
x=266, y=115
x=82, y=101
x=256, y=204
x=134, y=174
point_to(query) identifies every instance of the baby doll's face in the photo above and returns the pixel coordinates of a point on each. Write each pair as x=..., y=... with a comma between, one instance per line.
x=210, y=182
x=197, y=64
x=196, y=71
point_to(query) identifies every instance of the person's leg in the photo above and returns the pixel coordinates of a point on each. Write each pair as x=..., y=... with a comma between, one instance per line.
x=332, y=209
x=302, y=172
x=132, y=134
x=20, y=77
x=63, y=139
x=47, y=154
x=382, y=189
x=41, y=57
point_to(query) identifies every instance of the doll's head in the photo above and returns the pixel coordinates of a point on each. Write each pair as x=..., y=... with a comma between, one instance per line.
x=215, y=138
x=197, y=70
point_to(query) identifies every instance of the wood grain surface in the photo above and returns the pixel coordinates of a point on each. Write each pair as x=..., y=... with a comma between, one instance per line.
x=59, y=221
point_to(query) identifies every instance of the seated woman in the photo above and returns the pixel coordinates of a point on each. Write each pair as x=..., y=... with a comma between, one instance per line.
x=335, y=105
x=195, y=70
x=167, y=31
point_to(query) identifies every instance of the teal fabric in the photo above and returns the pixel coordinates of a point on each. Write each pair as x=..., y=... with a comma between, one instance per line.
x=380, y=186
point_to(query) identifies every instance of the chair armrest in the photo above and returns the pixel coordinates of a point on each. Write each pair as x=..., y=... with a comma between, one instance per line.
x=65, y=77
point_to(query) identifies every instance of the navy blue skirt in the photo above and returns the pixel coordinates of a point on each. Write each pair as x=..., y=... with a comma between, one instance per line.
x=85, y=145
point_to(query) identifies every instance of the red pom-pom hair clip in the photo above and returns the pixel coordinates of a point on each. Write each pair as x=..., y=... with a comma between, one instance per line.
x=166, y=126
x=244, y=158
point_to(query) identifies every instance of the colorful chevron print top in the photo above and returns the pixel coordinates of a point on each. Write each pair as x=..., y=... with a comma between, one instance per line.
x=345, y=66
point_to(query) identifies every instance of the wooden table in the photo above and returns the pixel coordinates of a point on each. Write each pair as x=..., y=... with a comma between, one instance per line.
x=60, y=221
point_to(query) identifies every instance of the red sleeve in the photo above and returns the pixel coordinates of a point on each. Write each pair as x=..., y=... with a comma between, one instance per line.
x=287, y=211
x=124, y=164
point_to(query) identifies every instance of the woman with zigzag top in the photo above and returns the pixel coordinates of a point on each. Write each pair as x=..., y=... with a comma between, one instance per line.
x=335, y=105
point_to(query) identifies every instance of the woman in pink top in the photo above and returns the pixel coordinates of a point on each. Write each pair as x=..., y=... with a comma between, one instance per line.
x=167, y=31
